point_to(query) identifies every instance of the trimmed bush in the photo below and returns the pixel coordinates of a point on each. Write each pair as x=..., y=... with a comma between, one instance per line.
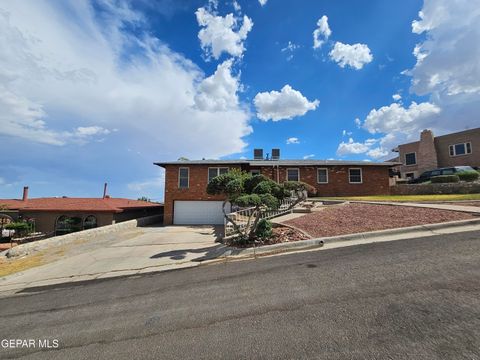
x=444, y=179
x=468, y=175
x=264, y=229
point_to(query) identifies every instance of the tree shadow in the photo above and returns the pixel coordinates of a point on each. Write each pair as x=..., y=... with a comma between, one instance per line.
x=211, y=252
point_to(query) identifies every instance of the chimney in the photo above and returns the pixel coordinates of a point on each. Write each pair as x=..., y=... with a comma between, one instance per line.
x=257, y=154
x=105, y=191
x=427, y=154
x=275, y=154
x=25, y=193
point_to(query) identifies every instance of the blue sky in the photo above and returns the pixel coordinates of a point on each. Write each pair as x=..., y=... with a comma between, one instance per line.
x=95, y=91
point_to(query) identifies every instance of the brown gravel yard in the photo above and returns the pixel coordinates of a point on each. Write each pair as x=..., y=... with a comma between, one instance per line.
x=356, y=218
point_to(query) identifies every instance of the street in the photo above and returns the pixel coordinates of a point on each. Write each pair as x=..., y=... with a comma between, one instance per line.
x=407, y=299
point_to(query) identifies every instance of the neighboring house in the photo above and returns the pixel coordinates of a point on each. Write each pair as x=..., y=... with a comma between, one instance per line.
x=431, y=152
x=187, y=202
x=61, y=215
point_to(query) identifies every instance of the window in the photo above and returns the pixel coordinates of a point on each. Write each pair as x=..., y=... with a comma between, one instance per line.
x=449, y=171
x=90, y=222
x=410, y=158
x=216, y=171
x=255, y=172
x=293, y=175
x=322, y=176
x=410, y=175
x=355, y=176
x=460, y=149
x=183, y=177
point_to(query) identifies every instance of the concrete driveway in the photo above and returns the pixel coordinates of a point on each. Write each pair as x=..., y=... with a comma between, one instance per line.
x=139, y=250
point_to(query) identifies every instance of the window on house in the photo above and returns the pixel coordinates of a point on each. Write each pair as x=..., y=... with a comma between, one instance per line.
x=255, y=172
x=216, y=171
x=460, y=149
x=322, y=176
x=410, y=175
x=183, y=178
x=90, y=222
x=355, y=176
x=410, y=158
x=293, y=175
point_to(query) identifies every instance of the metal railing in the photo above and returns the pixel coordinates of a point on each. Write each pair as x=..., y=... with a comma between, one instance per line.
x=244, y=218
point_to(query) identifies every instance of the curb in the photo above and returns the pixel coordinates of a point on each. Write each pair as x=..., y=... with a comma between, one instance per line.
x=235, y=253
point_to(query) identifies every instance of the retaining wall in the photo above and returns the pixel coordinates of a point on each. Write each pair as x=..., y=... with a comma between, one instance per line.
x=434, y=189
x=34, y=246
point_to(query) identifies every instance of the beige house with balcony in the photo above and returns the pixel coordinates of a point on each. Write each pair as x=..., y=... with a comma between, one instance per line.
x=431, y=152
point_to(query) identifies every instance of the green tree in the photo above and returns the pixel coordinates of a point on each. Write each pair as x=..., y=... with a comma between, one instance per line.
x=144, y=198
x=257, y=192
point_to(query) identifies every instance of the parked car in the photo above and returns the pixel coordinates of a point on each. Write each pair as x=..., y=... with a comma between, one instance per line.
x=427, y=175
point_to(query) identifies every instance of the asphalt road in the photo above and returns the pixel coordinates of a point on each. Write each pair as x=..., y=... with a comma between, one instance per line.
x=409, y=299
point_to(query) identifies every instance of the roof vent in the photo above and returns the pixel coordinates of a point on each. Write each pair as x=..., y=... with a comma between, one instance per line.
x=257, y=154
x=275, y=154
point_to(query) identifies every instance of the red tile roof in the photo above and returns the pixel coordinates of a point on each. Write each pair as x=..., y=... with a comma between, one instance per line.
x=76, y=204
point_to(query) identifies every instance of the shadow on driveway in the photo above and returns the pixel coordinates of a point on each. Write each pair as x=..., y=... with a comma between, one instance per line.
x=210, y=252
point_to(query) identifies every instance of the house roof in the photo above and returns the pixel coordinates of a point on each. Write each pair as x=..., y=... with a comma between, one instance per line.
x=254, y=163
x=112, y=205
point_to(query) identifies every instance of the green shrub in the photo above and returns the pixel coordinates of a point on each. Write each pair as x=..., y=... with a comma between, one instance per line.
x=444, y=179
x=471, y=175
x=264, y=229
x=21, y=228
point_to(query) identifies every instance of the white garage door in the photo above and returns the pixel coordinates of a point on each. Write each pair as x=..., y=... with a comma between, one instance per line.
x=198, y=212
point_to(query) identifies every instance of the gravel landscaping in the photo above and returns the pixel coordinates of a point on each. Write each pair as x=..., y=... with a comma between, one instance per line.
x=281, y=234
x=356, y=218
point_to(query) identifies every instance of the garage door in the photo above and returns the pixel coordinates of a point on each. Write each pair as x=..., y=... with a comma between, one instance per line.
x=198, y=212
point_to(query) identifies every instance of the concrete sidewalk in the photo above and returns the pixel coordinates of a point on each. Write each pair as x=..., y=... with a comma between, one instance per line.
x=139, y=250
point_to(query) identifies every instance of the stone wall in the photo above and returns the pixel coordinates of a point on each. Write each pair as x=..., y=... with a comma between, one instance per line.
x=34, y=246
x=433, y=189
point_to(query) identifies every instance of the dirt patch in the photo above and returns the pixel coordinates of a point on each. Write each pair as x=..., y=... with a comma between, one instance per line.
x=356, y=218
x=281, y=234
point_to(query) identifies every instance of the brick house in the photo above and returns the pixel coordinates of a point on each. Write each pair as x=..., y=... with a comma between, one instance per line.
x=187, y=202
x=61, y=215
x=431, y=152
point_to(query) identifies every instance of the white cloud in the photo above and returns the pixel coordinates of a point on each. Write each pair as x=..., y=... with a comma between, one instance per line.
x=346, y=133
x=377, y=152
x=236, y=6
x=309, y=156
x=67, y=75
x=358, y=122
x=397, y=118
x=290, y=49
x=218, y=92
x=293, y=140
x=263, y=2
x=284, y=104
x=321, y=33
x=222, y=34
x=355, y=56
x=351, y=147
x=397, y=97
x=83, y=131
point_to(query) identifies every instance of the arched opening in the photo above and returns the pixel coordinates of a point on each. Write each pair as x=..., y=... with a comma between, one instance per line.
x=90, y=222
x=66, y=224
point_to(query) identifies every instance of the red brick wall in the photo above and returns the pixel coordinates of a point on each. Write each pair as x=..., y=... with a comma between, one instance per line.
x=197, y=187
x=375, y=182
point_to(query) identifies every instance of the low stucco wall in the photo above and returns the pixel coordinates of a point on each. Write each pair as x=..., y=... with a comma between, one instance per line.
x=435, y=189
x=31, y=247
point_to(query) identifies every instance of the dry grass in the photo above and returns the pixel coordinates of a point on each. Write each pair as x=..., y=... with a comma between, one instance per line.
x=410, y=198
x=11, y=266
